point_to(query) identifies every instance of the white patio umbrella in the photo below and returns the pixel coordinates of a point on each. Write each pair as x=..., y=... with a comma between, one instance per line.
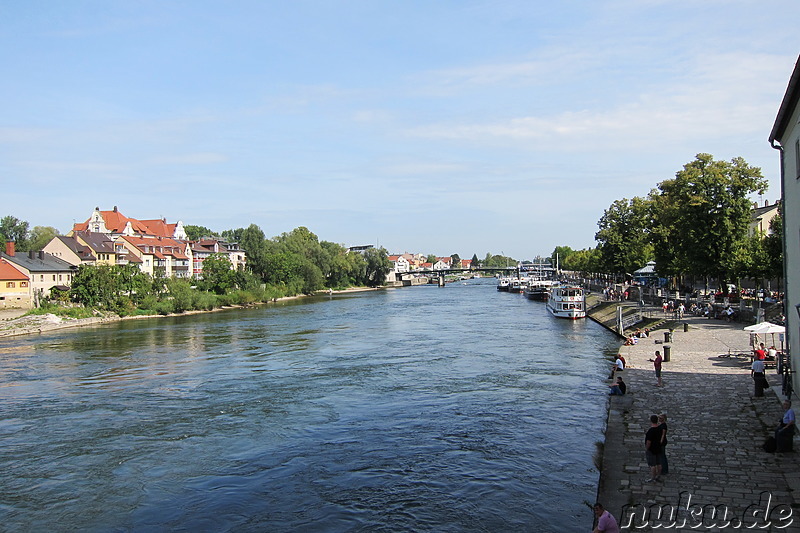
x=765, y=328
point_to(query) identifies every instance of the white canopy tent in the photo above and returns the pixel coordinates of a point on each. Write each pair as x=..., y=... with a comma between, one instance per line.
x=766, y=328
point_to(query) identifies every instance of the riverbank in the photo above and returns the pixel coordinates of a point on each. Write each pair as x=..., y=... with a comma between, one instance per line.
x=13, y=322
x=716, y=432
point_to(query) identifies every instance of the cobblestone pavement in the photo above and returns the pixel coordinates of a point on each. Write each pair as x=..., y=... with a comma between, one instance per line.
x=716, y=432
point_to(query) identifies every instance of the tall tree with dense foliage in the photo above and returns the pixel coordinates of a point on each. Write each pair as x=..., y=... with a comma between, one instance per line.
x=218, y=275
x=40, y=236
x=475, y=263
x=254, y=244
x=700, y=217
x=14, y=229
x=195, y=233
x=624, y=236
x=587, y=260
x=377, y=266
x=773, y=248
x=560, y=255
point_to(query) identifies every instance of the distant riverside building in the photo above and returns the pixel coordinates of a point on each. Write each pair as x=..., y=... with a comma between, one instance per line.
x=762, y=216
x=44, y=271
x=155, y=246
x=399, y=263
x=785, y=136
x=442, y=263
x=14, y=287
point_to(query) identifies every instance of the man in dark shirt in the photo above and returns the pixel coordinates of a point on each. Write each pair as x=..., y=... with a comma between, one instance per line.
x=652, y=449
x=618, y=388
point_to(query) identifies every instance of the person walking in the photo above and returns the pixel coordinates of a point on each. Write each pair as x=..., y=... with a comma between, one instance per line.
x=662, y=425
x=757, y=371
x=657, y=366
x=652, y=449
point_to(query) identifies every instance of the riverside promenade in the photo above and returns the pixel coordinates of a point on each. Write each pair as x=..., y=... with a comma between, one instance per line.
x=720, y=478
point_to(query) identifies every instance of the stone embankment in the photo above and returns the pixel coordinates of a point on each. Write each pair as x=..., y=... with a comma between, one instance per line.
x=16, y=324
x=716, y=432
x=14, y=321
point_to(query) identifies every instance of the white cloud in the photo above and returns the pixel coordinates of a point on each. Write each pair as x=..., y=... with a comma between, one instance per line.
x=206, y=158
x=724, y=94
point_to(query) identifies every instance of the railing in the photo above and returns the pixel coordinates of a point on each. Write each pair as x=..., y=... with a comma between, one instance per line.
x=630, y=320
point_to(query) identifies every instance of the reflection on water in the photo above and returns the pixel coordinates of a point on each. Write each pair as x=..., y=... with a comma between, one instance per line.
x=446, y=409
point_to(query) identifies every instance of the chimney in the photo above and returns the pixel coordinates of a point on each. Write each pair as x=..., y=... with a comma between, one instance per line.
x=115, y=209
x=10, y=248
x=31, y=254
x=41, y=255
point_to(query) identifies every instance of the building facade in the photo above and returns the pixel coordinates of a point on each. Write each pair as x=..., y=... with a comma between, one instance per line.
x=785, y=137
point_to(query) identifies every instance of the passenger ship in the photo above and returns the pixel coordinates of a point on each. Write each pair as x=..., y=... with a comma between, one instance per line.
x=568, y=301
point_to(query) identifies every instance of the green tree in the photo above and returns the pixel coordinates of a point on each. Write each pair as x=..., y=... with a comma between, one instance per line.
x=624, y=236
x=95, y=286
x=181, y=294
x=377, y=266
x=455, y=261
x=431, y=259
x=254, y=244
x=587, y=260
x=14, y=229
x=560, y=255
x=218, y=274
x=40, y=236
x=195, y=233
x=233, y=235
x=773, y=248
x=475, y=263
x=700, y=218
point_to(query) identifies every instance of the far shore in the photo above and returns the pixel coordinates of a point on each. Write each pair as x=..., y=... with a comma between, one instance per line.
x=13, y=322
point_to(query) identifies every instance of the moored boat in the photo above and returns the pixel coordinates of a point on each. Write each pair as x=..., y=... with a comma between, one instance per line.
x=502, y=284
x=538, y=289
x=567, y=301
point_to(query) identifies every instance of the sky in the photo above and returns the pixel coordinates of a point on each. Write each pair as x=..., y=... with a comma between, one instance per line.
x=448, y=127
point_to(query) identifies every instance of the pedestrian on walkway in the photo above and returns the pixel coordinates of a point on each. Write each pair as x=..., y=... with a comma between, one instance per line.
x=784, y=433
x=657, y=366
x=652, y=449
x=605, y=520
x=662, y=425
x=757, y=371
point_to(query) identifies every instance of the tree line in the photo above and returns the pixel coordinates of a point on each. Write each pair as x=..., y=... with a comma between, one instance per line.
x=292, y=263
x=694, y=225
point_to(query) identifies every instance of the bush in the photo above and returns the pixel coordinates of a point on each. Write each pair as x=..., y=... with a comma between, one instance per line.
x=204, y=300
x=149, y=304
x=164, y=307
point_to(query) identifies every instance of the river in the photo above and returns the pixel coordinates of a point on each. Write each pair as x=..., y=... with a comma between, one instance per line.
x=418, y=409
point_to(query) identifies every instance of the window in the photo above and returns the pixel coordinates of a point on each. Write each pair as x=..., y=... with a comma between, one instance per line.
x=23, y=284
x=797, y=158
x=9, y=284
x=41, y=277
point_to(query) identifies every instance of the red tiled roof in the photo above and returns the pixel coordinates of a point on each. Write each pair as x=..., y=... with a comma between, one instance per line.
x=116, y=221
x=8, y=272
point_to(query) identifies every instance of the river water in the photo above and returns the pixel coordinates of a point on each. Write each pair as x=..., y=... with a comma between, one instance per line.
x=419, y=409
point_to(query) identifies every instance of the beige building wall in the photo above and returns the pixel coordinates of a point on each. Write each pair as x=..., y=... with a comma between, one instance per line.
x=57, y=248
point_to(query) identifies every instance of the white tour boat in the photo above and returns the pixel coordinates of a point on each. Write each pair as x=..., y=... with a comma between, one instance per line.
x=568, y=301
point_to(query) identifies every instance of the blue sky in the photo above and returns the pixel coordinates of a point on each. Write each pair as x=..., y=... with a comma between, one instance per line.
x=443, y=127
